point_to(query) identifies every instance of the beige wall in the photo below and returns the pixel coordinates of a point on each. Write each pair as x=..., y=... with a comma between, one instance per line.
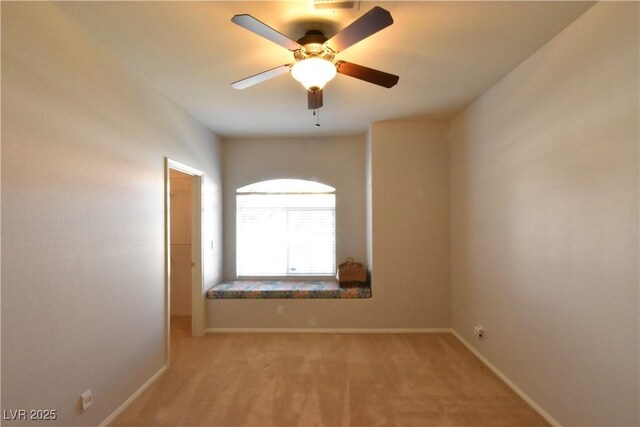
x=410, y=279
x=83, y=146
x=180, y=205
x=335, y=161
x=410, y=218
x=544, y=220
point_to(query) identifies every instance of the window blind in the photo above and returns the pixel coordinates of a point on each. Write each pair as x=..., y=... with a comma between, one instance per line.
x=285, y=234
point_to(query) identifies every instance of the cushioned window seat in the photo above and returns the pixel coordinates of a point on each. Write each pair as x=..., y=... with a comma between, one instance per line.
x=286, y=289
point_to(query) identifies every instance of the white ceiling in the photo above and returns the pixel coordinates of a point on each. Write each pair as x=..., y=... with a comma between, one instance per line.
x=446, y=54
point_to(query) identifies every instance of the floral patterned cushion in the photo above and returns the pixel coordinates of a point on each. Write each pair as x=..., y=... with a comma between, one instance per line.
x=286, y=289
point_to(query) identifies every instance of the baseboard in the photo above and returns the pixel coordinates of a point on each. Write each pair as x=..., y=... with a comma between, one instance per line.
x=510, y=383
x=330, y=330
x=131, y=398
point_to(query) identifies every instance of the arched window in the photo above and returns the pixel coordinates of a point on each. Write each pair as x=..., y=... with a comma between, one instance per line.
x=286, y=227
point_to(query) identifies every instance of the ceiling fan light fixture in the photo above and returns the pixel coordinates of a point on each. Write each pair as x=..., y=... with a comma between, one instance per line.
x=313, y=73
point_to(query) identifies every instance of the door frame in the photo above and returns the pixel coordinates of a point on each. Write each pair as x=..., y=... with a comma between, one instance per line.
x=197, y=270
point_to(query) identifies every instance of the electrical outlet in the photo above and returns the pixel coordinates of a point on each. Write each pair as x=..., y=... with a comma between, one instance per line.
x=87, y=400
x=279, y=310
x=478, y=331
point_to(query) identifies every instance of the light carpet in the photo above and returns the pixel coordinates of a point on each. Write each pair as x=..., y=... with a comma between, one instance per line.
x=325, y=380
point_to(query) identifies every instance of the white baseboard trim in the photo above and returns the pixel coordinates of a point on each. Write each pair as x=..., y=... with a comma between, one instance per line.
x=133, y=397
x=330, y=330
x=510, y=383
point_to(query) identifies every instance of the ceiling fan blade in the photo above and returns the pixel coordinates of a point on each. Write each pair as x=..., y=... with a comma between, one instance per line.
x=260, y=28
x=370, y=75
x=261, y=77
x=370, y=23
x=314, y=99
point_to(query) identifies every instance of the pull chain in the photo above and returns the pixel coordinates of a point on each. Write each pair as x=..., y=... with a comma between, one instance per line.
x=316, y=113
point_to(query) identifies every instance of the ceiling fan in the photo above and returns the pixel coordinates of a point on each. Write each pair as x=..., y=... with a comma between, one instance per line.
x=314, y=54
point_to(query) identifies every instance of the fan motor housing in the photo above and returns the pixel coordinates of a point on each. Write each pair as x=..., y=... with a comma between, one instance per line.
x=313, y=47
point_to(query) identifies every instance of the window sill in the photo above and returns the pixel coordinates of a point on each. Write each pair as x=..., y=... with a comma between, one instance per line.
x=286, y=289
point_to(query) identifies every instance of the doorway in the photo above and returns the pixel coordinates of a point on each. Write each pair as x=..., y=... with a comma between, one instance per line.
x=184, y=296
x=180, y=250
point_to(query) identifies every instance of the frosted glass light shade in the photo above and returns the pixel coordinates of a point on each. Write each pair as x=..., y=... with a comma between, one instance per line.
x=313, y=73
